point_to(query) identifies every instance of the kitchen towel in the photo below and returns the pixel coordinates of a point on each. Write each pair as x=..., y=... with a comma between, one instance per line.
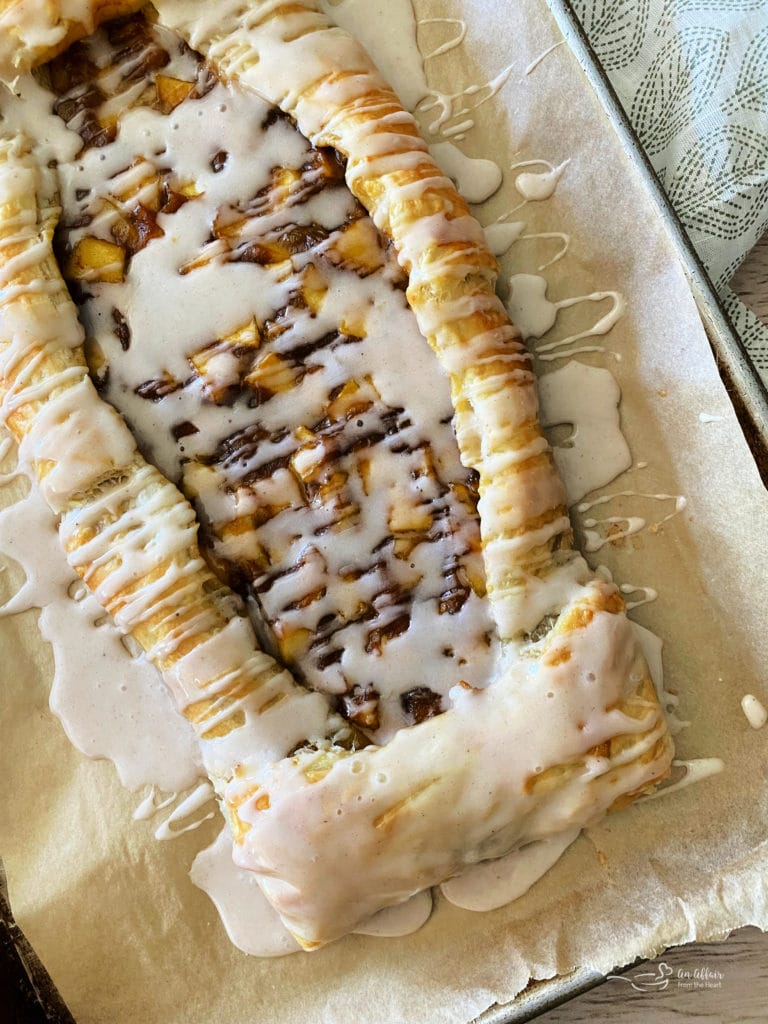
x=693, y=77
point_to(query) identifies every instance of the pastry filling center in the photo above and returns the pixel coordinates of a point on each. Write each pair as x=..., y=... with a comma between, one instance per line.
x=245, y=317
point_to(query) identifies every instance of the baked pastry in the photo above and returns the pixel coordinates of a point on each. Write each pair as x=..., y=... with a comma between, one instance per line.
x=34, y=31
x=319, y=75
x=126, y=530
x=327, y=482
x=465, y=785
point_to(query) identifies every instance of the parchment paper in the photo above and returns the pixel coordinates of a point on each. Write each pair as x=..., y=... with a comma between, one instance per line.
x=111, y=911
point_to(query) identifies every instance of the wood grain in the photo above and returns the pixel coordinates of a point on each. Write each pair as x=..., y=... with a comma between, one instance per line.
x=751, y=285
x=708, y=984
x=694, y=993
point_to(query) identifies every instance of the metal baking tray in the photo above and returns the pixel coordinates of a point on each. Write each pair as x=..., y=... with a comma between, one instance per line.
x=29, y=994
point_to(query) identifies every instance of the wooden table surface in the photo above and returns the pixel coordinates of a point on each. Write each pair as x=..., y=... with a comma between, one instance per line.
x=718, y=983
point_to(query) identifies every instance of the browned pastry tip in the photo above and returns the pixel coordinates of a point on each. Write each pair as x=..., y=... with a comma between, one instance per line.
x=35, y=31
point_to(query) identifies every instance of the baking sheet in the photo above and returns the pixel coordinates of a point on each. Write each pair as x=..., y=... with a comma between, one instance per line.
x=29, y=996
x=142, y=943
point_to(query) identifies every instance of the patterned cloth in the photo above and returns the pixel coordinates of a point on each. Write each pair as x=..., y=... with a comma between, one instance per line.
x=693, y=78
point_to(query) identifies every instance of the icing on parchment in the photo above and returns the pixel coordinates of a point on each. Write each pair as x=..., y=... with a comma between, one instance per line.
x=754, y=711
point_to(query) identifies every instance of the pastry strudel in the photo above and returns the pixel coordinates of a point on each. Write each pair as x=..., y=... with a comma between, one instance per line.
x=314, y=770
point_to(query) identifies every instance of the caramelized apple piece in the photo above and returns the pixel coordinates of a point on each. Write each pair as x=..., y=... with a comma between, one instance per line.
x=94, y=259
x=171, y=92
x=136, y=228
x=356, y=247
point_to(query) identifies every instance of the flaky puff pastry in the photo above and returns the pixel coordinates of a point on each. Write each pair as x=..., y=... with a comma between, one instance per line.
x=34, y=31
x=293, y=56
x=432, y=819
x=571, y=726
x=126, y=530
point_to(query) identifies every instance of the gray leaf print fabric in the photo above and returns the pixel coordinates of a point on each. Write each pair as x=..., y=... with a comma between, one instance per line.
x=693, y=77
x=721, y=186
x=752, y=84
x=678, y=85
x=616, y=29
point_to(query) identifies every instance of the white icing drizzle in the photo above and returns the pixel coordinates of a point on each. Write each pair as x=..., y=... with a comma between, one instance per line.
x=477, y=180
x=648, y=595
x=450, y=114
x=561, y=236
x=152, y=803
x=389, y=32
x=449, y=44
x=754, y=711
x=587, y=398
x=536, y=186
x=542, y=56
x=401, y=919
x=495, y=883
x=651, y=645
x=195, y=801
x=619, y=527
x=27, y=528
x=502, y=235
x=696, y=770
x=532, y=186
x=535, y=314
x=706, y=417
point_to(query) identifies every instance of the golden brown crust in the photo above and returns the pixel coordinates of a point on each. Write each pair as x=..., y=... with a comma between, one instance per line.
x=338, y=99
x=526, y=532
x=172, y=604
x=32, y=33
